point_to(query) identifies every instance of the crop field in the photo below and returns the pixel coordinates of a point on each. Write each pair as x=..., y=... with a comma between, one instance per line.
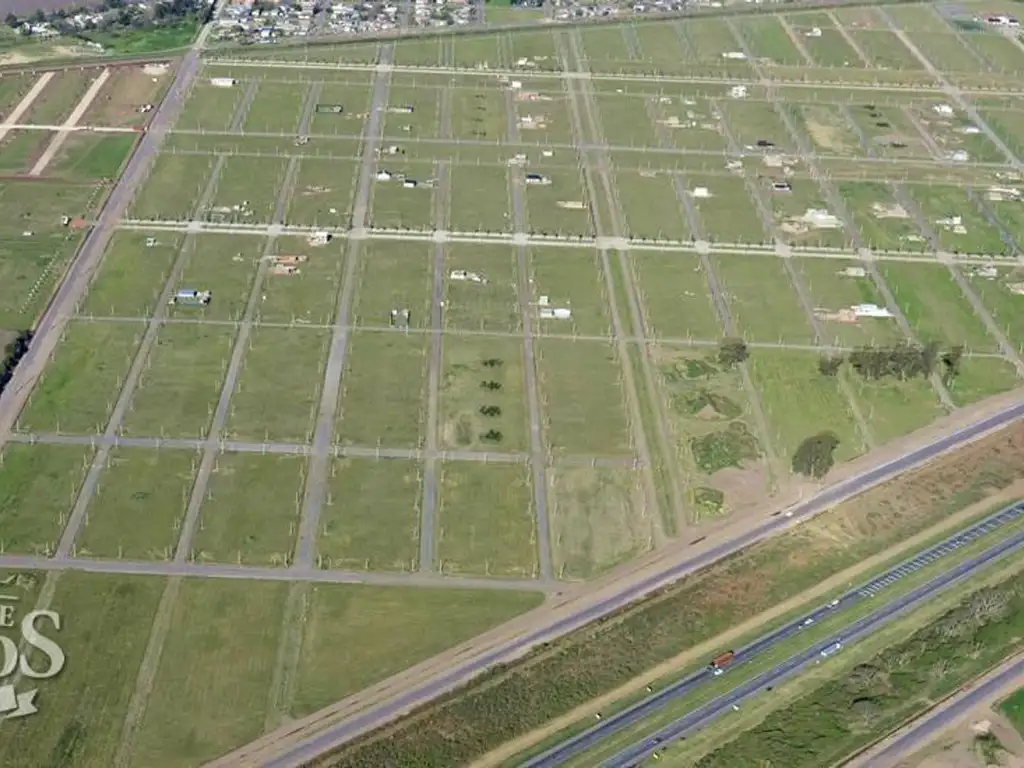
x=439, y=327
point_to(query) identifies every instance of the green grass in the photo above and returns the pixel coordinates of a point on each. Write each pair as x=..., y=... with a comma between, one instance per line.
x=544, y=213
x=251, y=510
x=676, y=296
x=895, y=408
x=397, y=207
x=385, y=630
x=219, y=657
x=30, y=266
x=425, y=52
x=509, y=702
x=131, y=275
x=763, y=302
x=478, y=111
x=251, y=183
x=1001, y=303
x=886, y=125
x=355, y=103
x=81, y=710
x=181, y=383
x=831, y=291
x=278, y=392
x=371, y=519
x=878, y=695
x=485, y=520
x=937, y=202
x=597, y=519
x=384, y=368
x=60, y=97
x=276, y=108
x=21, y=149
x=393, y=275
x=575, y=279
x=225, y=265
x=463, y=425
x=799, y=402
x=583, y=397
x=309, y=296
x=423, y=122
x=480, y=199
x=827, y=128
x=13, y=87
x=982, y=377
x=769, y=40
x=136, y=41
x=789, y=208
x=880, y=232
x=934, y=305
x=1013, y=708
x=623, y=122
x=210, y=107
x=729, y=215
x=38, y=488
x=752, y=121
x=651, y=207
x=137, y=508
x=78, y=389
x=92, y=157
x=885, y=49
x=321, y=185
x=472, y=306
x=173, y=187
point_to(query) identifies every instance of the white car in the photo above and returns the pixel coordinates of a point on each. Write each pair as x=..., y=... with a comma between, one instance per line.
x=808, y=622
x=717, y=672
x=834, y=603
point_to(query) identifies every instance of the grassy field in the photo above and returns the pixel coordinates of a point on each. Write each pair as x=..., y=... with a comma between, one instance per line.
x=762, y=299
x=77, y=392
x=80, y=722
x=513, y=700
x=38, y=488
x=676, y=296
x=372, y=517
x=1013, y=707
x=137, y=510
x=84, y=157
x=385, y=631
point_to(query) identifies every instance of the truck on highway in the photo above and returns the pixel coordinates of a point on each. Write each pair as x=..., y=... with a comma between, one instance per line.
x=834, y=648
x=720, y=662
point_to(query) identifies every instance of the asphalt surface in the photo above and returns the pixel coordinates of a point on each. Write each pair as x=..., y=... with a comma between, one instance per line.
x=633, y=756
x=334, y=736
x=644, y=709
x=931, y=725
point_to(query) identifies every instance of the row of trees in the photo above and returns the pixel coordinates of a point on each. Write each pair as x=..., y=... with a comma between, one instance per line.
x=901, y=361
x=13, y=353
x=115, y=14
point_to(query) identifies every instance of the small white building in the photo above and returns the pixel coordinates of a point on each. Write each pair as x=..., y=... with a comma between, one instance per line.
x=734, y=55
x=383, y=175
x=853, y=272
x=943, y=109
x=555, y=313
x=222, y=82
x=701, y=192
x=870, y=310
x=463, y=275
x=738, y=92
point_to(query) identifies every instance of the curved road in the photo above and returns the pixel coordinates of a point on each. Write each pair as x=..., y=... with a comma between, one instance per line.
x=634, y=755
x=646, y=708
x=334, y=736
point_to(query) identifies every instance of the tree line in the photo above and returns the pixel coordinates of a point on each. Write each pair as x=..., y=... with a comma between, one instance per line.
x=13, y=353
x=115, y=14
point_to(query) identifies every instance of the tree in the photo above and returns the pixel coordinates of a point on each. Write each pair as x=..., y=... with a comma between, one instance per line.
x=829, y=365
x=815, y=456
x=12, y=21
x=732, y=351
x=951, y=364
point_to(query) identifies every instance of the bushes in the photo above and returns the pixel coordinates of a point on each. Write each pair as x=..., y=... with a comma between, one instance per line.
x=13, y=353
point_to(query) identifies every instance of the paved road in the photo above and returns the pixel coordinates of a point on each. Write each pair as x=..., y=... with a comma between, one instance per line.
x=633, y=756
x=1007, y=678
x=319, y=465
x=646, y=708
x=85, y=263
x=254, y=572
x=334, y=736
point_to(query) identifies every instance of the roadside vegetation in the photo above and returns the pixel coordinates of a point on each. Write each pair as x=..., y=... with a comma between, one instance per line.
x=1013, y=708
x=511, y=701
x=877, y=696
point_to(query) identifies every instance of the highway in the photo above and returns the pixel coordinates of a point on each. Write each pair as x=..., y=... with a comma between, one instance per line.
x=338, y=734
x=644, y=709
x=919, y=733
x=634, y=755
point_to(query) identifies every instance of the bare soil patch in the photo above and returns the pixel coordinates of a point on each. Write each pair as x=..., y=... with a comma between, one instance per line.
x=118, y=102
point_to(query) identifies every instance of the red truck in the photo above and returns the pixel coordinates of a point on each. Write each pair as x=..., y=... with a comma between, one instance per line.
x=721, y=661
